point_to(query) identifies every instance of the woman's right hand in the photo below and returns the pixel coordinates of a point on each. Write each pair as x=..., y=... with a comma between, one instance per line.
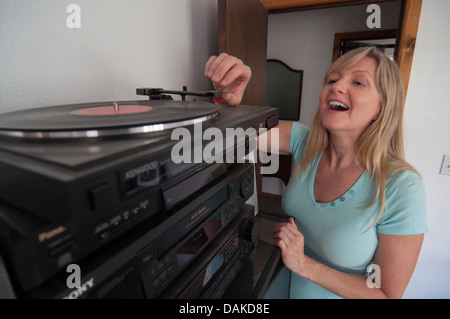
x=229, y=75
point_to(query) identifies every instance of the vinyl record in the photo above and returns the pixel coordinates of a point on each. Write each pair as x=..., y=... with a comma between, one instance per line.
x=105, y=118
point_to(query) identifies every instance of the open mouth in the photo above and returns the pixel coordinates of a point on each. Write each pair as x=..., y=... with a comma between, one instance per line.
x=337, y=106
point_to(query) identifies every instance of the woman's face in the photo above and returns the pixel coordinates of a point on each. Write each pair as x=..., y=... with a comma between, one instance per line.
x=350, y=101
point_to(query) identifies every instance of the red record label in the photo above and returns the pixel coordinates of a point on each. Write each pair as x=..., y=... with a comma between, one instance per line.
x=111, y=110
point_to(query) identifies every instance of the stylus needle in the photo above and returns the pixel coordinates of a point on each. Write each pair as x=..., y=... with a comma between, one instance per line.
x=116, y=106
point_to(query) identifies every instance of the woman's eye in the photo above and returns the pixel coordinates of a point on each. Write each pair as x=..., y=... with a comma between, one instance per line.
x=359, y=83
x=331, y=81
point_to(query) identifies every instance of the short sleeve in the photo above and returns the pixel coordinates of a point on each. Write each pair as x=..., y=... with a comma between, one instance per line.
x=299, y=136
x=405, y=210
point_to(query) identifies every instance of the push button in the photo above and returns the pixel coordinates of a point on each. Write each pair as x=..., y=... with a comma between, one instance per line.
x=147, y=255
x=100, y=196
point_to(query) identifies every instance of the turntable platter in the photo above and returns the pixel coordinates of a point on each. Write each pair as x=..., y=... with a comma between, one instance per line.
x=105, y=119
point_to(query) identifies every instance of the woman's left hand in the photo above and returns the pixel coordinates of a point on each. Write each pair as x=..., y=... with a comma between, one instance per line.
x=291, y=242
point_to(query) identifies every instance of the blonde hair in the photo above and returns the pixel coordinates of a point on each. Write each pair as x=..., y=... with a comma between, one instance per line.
x=380, y=146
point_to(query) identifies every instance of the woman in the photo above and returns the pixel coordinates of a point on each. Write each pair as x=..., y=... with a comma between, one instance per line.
x=355, y=202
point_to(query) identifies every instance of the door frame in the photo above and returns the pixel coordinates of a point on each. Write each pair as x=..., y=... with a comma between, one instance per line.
x=407, y=30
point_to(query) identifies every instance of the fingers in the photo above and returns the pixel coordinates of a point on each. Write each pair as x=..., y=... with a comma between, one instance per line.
x=287, y=234
x=217, y=67
x=208, y=67
x=237, y=71
x=289, y=228
x=225, y=69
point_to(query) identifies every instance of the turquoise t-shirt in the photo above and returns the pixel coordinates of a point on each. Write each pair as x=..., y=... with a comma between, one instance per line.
x=338, y=233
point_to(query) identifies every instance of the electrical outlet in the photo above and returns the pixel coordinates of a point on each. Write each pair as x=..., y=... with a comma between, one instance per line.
x=445, y=168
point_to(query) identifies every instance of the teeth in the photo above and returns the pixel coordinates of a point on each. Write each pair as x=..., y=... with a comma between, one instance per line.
x=335, y=105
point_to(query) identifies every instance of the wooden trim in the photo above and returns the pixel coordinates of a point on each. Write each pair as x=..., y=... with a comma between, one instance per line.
x=275, y=6
x=407, y=38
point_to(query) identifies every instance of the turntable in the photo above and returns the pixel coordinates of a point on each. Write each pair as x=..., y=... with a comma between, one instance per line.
x=100, y=120
x=75, y=177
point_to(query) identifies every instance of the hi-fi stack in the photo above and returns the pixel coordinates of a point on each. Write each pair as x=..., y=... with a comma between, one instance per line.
x=95, y=185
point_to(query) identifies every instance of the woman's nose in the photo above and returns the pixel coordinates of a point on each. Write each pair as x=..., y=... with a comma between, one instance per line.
x=339, y=87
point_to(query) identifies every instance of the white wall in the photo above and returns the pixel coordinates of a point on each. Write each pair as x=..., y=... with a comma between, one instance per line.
x=120, y=46
x=427, y=130
x=426, y=114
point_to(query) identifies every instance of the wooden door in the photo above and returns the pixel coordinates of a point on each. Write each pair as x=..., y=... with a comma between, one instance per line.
x=243, y=28
x=243, y=32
